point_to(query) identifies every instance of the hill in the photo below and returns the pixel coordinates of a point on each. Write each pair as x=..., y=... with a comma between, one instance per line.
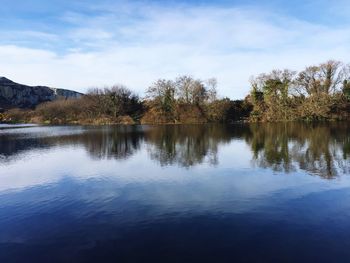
x=15, y=95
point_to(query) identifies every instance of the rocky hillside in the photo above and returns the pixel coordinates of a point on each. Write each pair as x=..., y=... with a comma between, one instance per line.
x=14, y=95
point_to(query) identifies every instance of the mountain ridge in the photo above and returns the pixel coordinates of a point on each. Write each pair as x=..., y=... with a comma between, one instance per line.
x=15, y=95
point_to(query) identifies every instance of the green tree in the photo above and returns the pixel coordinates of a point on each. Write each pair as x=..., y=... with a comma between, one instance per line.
x=346, y=89
x=162, y=95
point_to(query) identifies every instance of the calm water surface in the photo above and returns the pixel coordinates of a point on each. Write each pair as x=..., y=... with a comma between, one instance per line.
x=239, y=193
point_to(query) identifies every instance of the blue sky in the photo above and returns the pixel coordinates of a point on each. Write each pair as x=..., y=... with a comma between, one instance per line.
x=85, y=43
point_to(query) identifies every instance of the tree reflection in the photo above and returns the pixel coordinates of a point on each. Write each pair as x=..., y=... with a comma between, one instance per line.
x=186, y=145
x=110, y=142
x=321, y=149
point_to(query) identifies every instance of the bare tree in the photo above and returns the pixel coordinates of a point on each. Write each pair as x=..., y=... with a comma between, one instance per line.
x=162, y=93
x=325, y=78
x=195, y=91
x=184, y=88
x=212, y=84
x=118, y=97
x=331, y=76
x=117, y=100
x=199, y=93
x=307, y=81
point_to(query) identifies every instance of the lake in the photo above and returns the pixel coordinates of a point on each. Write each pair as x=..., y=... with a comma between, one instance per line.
x=175, y=193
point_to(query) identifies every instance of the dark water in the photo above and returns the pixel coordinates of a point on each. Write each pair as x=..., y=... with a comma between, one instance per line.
x=259, y=193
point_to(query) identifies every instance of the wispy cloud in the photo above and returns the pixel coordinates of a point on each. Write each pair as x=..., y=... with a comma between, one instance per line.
x=136, y=43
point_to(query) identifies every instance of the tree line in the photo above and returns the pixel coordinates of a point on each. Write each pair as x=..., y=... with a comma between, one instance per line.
x=190, y=100
x=182, y=100
x=319, y=92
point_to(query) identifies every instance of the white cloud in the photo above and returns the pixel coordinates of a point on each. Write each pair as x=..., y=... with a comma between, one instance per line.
x=137, y=46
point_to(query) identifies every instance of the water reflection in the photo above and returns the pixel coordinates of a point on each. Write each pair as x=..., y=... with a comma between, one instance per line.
x=92, y=194
x=187, y=145
x=119, y=142
x=321, y=149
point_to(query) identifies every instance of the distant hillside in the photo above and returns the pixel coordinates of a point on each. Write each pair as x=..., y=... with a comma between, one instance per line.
x=14, y=95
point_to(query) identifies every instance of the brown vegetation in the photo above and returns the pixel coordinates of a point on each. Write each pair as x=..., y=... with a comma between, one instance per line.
x=320, y=92
x=184, y=100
